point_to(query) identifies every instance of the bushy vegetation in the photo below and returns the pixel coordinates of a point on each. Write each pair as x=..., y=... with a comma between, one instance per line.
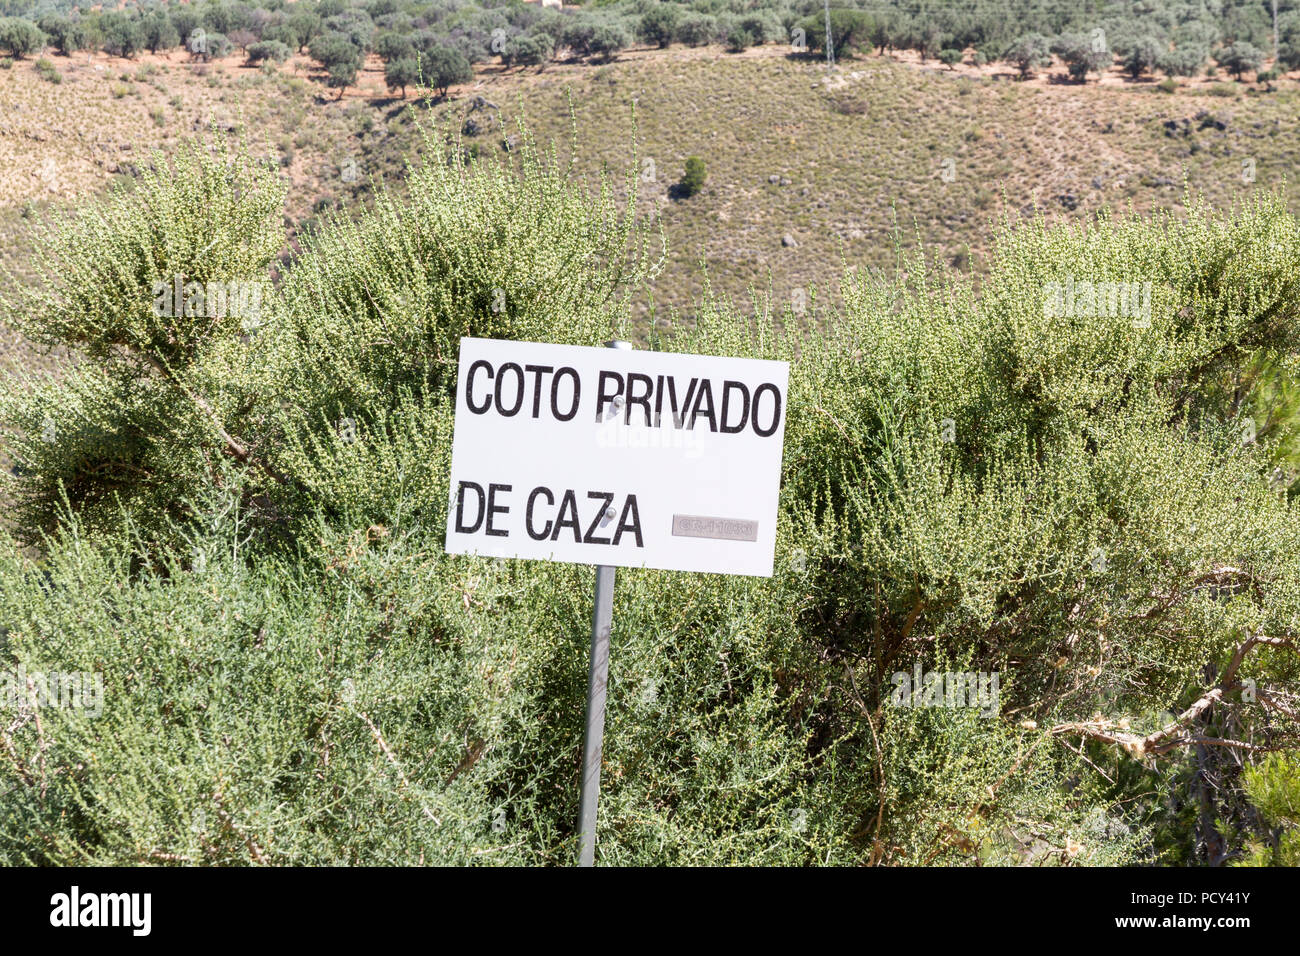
x=693, y=177
x=237, y=520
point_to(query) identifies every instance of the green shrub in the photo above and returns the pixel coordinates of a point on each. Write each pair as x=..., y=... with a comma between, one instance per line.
x=739, y=40
x=268, y=51
x=607, y=39
x=19, y=38
x=696, y=29
x=528, y=49
x=1142, y=57
x=973, y=479
x=1183, y=61
x=659, y=23
x=1274, y=788
x=47, y=71
x=692, y=180
x=950, y=58
x=443, y=67
x=1029, y=52
x=1240, y=57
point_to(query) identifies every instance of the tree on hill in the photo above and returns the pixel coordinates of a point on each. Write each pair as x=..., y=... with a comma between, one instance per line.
x=929, y=40
x=693, y=177
x=1143, y=55
x=268, y=51
x=340, y=74
x=65, y=33
x=299, y=27
x=1083, y=54
x=123, y=34
x=1184, y=60
x=950, y=57
x=696, y=29
x=160, y=32
x=207, y=45
x=1028, y=53
x=528, y=49
x=339, y=58
x=401, y=73
x=659, y=24
x=1240, y=57
x=443, y=67
x=607, y=39
x=20, y=38
x=850, y=30
x=394, y=46
x=243, y=39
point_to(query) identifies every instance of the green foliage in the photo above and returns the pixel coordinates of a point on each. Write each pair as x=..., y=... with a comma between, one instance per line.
x=950, y=58
x=47, y=71
x=341, y=70
x=199, y=221
x=159, y=31
x=335, y=49
x=1274, y=788
x=19, y=38
x=1288, y=55
x=441, y=67
x=607, y=39
x=402, y=72
x=1083, y=55
x=123, y=34
x=1239, y=58
x=659, y=23
x=394, y=46
x=268, y=51
x=239, y=527
x=1143, y=55
x=1028, y=53
x=66, y=34
x=850, y=30
x=528, y=49
x=1182, y=61
x=692, y=180
x=696, y=29
x=739, y=40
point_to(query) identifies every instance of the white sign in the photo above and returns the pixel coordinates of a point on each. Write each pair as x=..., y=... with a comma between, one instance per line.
x=617, y=457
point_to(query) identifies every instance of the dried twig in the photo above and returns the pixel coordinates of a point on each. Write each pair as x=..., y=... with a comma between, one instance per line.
x=1165, y=739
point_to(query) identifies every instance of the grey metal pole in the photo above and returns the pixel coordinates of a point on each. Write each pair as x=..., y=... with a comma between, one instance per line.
x=593, y=738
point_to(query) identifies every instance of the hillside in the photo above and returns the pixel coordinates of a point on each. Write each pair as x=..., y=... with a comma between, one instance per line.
x=807, y=168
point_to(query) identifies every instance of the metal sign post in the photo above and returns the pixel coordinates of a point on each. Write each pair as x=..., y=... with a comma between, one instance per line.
x=593, y=737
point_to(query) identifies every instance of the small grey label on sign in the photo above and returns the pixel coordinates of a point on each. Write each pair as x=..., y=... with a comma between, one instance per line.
x=728, y=529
